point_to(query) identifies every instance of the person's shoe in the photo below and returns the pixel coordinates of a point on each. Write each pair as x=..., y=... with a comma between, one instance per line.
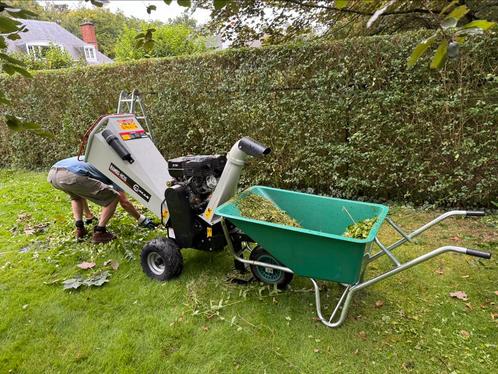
x=100, y=237
x=81, y=233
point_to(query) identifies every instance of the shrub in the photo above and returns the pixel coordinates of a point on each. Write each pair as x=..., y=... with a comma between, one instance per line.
x=344, y=118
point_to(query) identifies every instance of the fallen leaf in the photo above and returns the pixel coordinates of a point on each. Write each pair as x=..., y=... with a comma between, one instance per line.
x=379, y=303
x=316, y=350
x=456, y=238
x=439, y=271
x=23, y=217
x=465, y=334
x=465, y=276
x=25, y=306
x=205, y=328
x=39, y=228
x=469, y=305
x=86, y=265
x=288, y=318
x=460, y=295
x=362, y=335
x=494, y=316
x=72, y=283
x=114, y=265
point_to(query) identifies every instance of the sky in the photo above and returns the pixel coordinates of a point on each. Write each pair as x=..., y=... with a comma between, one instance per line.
x=137, y=9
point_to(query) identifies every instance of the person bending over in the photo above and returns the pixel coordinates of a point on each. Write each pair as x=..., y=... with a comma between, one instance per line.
x=82, y=182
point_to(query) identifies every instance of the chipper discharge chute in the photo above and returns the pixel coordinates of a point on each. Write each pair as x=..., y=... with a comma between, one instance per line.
x=191, y=196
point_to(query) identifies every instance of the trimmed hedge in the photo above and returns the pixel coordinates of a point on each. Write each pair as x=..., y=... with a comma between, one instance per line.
x=344, y=118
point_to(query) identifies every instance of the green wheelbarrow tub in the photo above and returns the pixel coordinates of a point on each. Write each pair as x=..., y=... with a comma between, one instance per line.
x=318, y=249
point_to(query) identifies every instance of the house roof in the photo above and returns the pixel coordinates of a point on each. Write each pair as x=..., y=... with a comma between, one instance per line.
x=44, y=31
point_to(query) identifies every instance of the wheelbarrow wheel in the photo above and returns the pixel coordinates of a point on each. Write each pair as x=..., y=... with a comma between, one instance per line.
x=161, y=259
x=269, y=275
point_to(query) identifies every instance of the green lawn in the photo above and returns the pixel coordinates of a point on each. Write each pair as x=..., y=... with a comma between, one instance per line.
x=202, y=323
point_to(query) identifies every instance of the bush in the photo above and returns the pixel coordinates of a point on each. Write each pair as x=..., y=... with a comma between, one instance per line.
x=344, y=118
x=53, y=58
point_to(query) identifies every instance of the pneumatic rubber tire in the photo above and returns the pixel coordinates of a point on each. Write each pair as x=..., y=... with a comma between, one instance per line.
x=268, y=275
x=161, y=259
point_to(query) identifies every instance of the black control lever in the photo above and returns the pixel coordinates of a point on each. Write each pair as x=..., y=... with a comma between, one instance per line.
x=119, y=147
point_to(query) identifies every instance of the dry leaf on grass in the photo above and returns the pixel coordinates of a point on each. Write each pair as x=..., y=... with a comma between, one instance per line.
x=86, y=265
x=465, y=334
x=460, y=295
x=113, y=263
x=379, y=303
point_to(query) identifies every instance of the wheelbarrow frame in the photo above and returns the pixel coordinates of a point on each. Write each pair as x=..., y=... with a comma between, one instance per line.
x=350, y=289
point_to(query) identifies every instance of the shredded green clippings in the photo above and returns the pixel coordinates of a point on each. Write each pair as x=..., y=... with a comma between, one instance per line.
x=257, y=207
x=360, y=230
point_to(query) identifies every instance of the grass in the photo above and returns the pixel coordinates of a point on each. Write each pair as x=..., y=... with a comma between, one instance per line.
x=202, y=323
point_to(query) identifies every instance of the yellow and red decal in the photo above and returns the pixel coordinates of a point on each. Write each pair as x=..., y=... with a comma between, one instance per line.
x=126, y=124
x=130, y=135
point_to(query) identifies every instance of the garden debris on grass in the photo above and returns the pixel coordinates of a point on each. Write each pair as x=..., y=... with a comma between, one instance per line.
x=360, y=230
x=460, y=295
x=96, y=280
x=257, y=207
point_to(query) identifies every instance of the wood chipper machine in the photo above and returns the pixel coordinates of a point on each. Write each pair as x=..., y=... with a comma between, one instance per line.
x=191, y=196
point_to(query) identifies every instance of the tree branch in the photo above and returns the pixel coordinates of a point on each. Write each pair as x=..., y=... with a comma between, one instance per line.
x=359, y=12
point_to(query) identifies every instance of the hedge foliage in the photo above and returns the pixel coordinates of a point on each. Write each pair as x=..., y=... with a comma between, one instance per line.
x=344, y=118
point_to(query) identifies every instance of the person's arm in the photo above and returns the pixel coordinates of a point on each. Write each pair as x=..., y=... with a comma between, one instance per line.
x=127, y=205
x=132, y=211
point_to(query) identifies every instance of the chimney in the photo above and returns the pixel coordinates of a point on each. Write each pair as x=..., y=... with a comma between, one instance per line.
x=88, y=33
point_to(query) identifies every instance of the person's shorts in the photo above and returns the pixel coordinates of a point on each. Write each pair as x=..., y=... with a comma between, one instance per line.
x=79, y=186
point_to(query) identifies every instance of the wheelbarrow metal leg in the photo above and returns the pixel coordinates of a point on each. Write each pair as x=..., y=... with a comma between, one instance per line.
x=344, y=301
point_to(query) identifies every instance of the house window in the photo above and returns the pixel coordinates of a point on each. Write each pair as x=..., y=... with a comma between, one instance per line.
x=39, y=49
x=90, y=53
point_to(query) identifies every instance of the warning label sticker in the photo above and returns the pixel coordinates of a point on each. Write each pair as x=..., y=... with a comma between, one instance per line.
x=129, y=182
x=128, y=126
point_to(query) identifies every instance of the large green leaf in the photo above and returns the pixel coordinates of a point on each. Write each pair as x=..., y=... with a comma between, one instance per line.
x=184, y=3
x=341, y=4
x=459, y=12
x=448, y=7
x=449, y=22
x=419, y=50
x=440, y=55
x=151, y=8
x=167, y=2
x=2, y=42
x=20, y=13
x=10, y=59
x=218, y=4
x=16, y=124
x=12, y=69
x=479, y=24
x=8, y=25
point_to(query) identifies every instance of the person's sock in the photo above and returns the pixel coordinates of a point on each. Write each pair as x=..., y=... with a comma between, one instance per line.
x=89, y=221
x=141, y=219
x=100, y=228
x=79, y=223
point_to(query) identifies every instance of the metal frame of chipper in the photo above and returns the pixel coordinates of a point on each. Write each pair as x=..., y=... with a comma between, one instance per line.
x=182, y=192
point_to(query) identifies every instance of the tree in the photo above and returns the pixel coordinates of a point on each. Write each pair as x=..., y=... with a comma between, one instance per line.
x=169, y=40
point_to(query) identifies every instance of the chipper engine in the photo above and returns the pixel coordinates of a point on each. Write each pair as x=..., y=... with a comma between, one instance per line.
x=182, y=192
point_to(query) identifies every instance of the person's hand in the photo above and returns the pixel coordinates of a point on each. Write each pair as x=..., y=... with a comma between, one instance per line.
x=148, y=223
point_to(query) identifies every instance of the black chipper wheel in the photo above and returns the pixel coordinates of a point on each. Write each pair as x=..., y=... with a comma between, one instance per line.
x=161, y=259
x=269, y=275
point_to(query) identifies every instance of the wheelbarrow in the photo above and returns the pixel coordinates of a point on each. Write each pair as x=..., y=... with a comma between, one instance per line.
x=318, y=250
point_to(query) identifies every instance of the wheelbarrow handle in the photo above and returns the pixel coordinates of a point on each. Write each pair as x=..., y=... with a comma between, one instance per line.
x=475, y=213
x=473, y=252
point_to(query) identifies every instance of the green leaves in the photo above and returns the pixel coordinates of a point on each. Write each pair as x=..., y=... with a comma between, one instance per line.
x=16, y=124
x=144, y=40
x=8, y=25
x=459, y=12
x=440, y=55
x=219, y=4
x=184, y=3
x=419, y=50
x=11, y=69
x=151, y=8
x=341, y=4
x=479, y=24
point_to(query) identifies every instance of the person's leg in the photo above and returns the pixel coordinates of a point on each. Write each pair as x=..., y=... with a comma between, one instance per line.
x=107, y=213
x=77, y=207
x=101, y=235
x=89, y=217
